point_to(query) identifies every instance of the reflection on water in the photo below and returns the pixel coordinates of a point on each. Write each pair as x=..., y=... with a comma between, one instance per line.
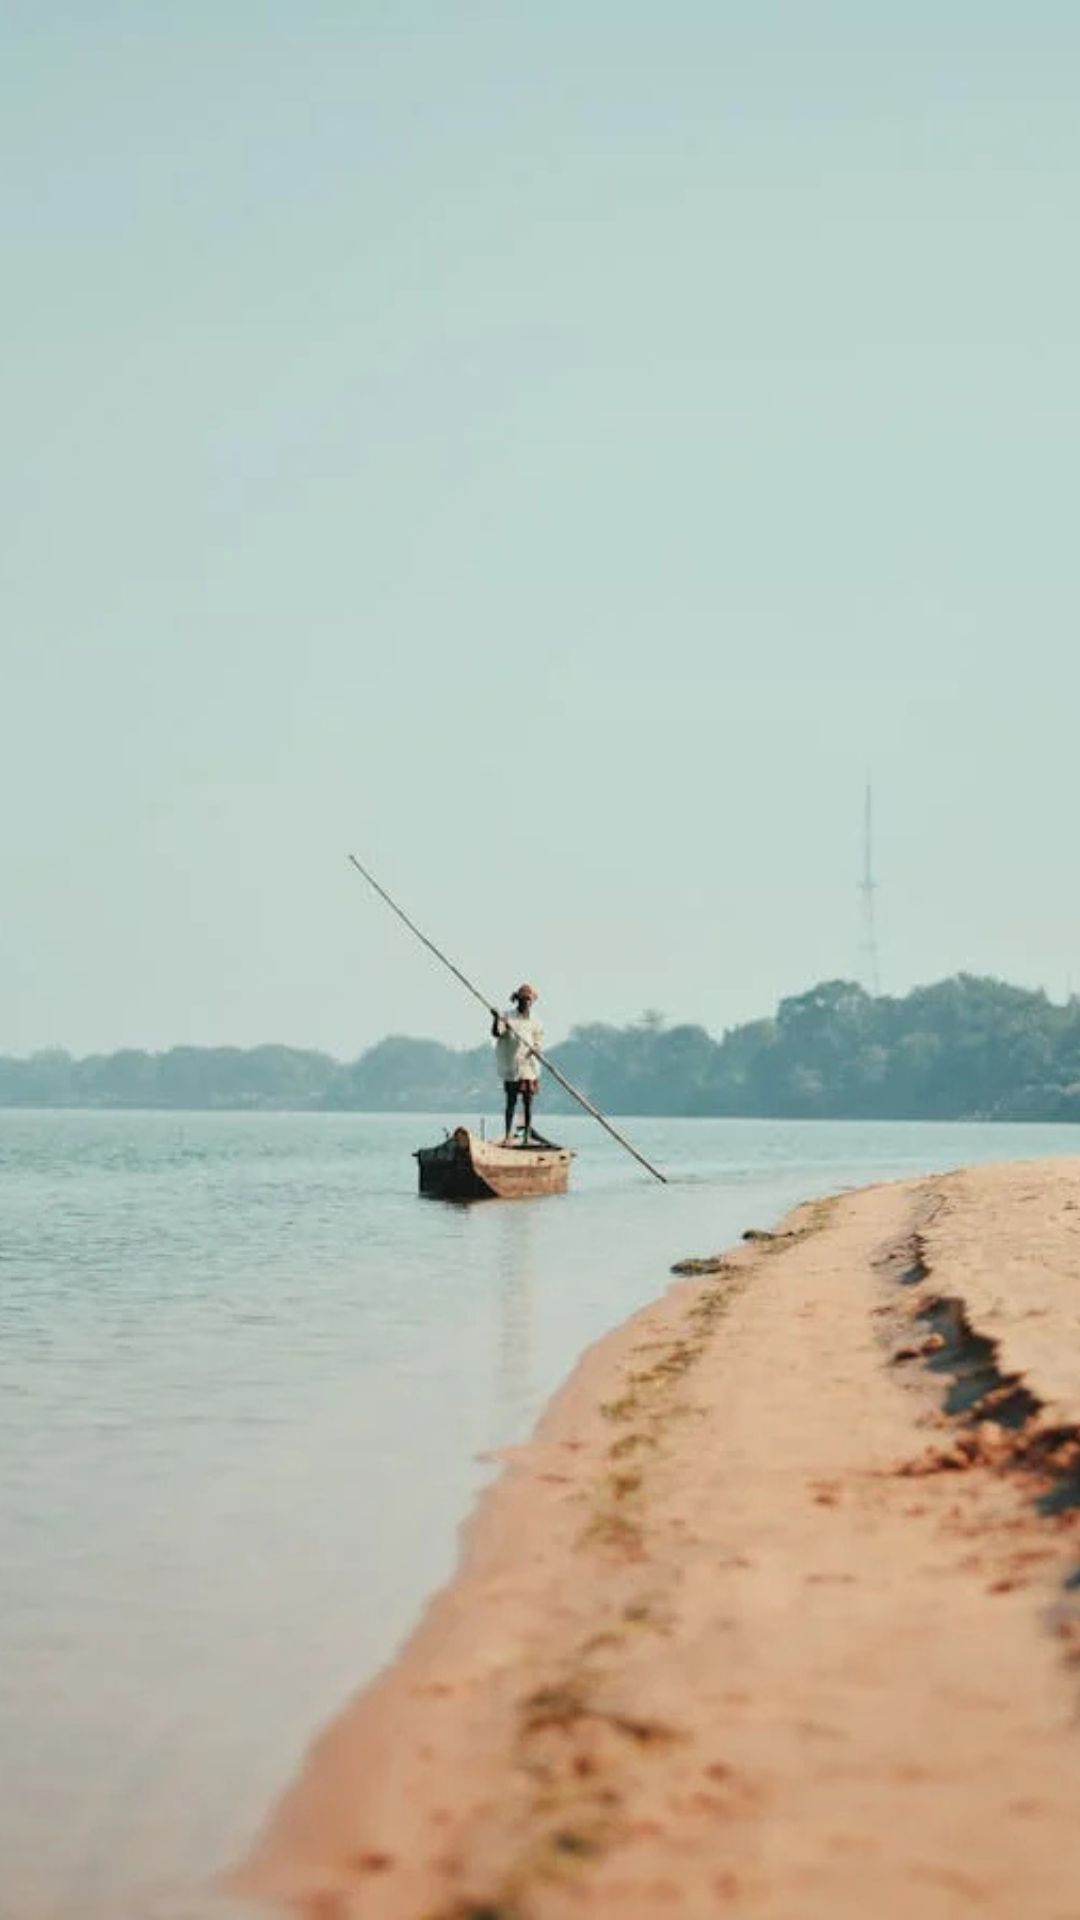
x=246, y=1382
x=514, y=1269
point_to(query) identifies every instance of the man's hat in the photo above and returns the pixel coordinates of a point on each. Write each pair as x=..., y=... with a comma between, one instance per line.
x=524, y=992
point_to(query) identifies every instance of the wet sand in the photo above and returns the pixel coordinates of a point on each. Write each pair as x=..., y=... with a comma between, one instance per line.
x=777, y=1615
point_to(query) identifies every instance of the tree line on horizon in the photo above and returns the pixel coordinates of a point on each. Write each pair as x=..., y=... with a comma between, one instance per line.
x=965, y=1048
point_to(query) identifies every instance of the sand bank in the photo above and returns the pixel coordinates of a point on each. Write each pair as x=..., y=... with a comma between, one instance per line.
x=773, y=1617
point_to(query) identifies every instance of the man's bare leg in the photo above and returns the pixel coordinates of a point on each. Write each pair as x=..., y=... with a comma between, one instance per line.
x=511, y=1103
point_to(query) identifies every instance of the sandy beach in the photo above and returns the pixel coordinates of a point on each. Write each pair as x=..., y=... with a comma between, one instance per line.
x=778, y=1614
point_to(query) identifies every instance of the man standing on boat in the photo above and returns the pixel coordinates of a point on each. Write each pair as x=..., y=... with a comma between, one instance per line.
x=515, y=1032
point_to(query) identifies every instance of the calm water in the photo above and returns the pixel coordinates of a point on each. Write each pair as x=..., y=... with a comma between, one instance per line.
x=245, y=1378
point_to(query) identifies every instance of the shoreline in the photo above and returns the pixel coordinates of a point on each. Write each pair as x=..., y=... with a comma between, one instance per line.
x=765, y=1617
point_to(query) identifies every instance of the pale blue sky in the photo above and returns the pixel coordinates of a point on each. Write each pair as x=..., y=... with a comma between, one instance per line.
x=555, y=450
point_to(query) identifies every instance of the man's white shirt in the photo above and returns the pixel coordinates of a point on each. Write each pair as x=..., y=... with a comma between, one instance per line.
x=513, y=1061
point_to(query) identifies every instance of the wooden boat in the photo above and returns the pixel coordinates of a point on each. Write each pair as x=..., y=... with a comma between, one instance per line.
x=464, y=1167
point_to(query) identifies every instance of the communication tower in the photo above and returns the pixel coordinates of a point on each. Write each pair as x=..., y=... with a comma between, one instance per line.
x=867, y=889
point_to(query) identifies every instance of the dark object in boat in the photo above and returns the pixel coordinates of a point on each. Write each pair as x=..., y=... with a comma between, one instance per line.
x=464, y=1167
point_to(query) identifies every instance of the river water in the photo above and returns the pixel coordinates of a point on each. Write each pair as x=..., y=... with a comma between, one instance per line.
x=247, y=1378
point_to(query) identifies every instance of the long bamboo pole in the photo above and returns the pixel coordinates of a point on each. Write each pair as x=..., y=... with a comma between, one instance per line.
x=573, y=1091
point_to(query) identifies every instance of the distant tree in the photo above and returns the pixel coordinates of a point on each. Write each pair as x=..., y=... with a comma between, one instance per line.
x=125, y=1079
x=415, y=1075
x=964, y=1047
x=46, y=1079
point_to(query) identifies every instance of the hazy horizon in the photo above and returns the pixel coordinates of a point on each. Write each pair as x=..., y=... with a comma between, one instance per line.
x=559, y=455
x=480, y=1039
